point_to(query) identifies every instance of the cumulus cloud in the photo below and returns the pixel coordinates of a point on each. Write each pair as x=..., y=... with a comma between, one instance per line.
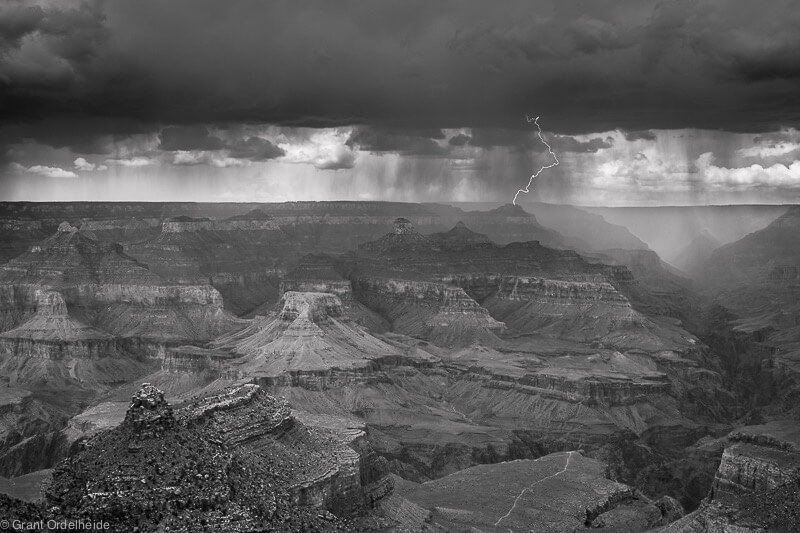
x=215, y=159
x=324, y=149
x=777, y=175
x=132, y=162
x=82, y=164
x=49, y=172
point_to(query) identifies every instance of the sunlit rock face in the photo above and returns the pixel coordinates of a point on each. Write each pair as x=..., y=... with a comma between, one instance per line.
x=309, y=341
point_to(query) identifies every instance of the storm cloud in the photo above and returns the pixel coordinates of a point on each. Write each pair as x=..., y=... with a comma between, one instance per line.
x=590, y=67
x=150, y=85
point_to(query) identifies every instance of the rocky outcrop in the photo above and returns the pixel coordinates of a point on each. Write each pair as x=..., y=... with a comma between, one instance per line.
x=222, y=461
x=759, y=458
x=756, y=485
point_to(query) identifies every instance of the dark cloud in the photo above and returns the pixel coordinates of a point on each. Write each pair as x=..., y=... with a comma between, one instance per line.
x=83, y=135
x=491, y=137
x=583, y=66
x=459, y=140
x=255, y=149
x=408, y=142
x=565, y=143
x=17, y=21
x=188, y=138
x=642, y=135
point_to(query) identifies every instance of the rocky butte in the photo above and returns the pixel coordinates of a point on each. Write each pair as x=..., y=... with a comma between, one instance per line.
x=237, y=460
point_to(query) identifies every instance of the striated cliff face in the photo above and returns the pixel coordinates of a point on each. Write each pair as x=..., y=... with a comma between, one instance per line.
x=756, y=486
x=241, y=256
x=580, y=310
x=110, y=291
x=123, y=231
x=309, y=342
x=461, y=321
x=53, y=334
x=190, y=226
x=759, y=458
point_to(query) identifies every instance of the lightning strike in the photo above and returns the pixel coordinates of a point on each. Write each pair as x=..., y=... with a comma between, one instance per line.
x=526, y=190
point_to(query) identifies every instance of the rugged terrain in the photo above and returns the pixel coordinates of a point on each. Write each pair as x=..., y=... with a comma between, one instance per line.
x=455, y=349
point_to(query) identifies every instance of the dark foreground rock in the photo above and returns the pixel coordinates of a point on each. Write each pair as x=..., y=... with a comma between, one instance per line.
x=234, y=461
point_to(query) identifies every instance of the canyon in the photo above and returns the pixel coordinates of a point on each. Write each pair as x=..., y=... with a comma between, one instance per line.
x=391, y=364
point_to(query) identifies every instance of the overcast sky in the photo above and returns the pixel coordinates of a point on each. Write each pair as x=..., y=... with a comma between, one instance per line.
x=646, y=102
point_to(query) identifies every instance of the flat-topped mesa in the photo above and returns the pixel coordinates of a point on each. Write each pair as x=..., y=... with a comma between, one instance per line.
x=52, y=334
x=149, y=413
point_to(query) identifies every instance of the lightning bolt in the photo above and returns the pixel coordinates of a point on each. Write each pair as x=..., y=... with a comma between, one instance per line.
x=526, y=190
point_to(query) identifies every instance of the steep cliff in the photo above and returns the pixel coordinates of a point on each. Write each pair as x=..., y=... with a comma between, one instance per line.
x=757, y=484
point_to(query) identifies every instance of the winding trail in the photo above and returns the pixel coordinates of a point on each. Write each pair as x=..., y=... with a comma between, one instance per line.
x=526, y=489
x=526, y=190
